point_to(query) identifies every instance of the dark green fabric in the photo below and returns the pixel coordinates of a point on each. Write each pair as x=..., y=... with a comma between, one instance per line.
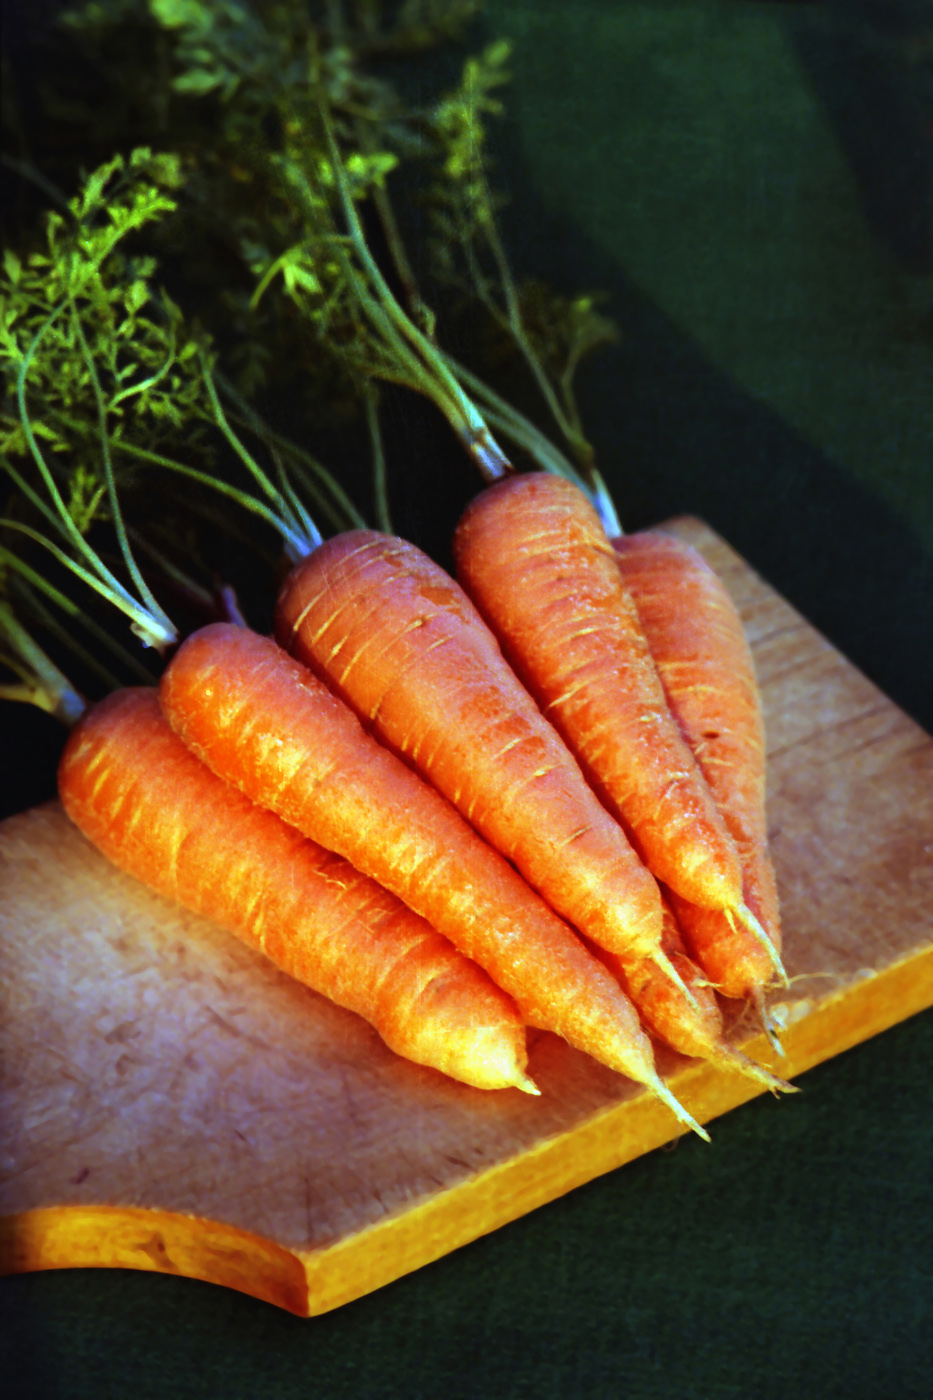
x=750, y=184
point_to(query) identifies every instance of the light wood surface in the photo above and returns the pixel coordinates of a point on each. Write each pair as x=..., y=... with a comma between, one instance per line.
x=170, y=1102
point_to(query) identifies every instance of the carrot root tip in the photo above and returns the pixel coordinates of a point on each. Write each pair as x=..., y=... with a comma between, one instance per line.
x=659, y=1088
x=662, y=961
x=734, y=1059
x=747, y=918
x=767, y=1025
x=527, y=1085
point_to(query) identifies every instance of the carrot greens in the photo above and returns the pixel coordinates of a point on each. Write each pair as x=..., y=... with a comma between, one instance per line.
x=104, y=380
x=296, y=136
x=304, y=134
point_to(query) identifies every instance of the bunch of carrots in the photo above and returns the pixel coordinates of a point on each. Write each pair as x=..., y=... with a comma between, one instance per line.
x=533, y=797
x=530, y=796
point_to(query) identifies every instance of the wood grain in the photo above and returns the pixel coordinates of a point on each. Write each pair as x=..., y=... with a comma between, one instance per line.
x=170, y=1102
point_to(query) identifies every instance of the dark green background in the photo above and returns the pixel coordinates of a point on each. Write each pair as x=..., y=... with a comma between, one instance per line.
x=750, y=183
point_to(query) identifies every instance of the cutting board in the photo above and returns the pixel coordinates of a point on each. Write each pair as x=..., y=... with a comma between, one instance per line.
x=171, y=1102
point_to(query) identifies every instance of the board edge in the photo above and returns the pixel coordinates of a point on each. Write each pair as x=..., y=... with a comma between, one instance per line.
x=310, y=1283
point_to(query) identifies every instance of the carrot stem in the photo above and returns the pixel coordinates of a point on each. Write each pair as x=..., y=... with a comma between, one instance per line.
x=525, y=434
x=147, y=620
x=414, y=357
x=46, y=619
x=116, y=513
x=44, y=684
x=422, y=345
x=340, y=510
x=515, y=425
x=605, y=508
x=141, y=621
x=380, y=487
x=302, y=535
x=293, y=542
x=30, y=579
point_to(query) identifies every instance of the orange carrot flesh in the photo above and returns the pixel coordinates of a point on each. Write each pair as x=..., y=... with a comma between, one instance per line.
x=398, y=639
x=134, y=789
x=534, y=557
x=706, y=669
x=263, y=722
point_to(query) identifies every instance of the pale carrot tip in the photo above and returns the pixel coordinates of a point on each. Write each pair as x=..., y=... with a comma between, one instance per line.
x=734, y=1059
x=527, y=1086
x=758, y=1001
x=659, y=1088
x=751, y=923
x=662, y=961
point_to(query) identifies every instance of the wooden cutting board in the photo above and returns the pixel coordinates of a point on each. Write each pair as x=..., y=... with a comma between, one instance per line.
x=170, y=1102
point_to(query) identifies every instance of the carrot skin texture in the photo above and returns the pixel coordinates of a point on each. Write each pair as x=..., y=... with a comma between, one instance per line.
x=706, y=669
x=534, y=557
x=399, y=640
x=134, y=789
x=248, y=710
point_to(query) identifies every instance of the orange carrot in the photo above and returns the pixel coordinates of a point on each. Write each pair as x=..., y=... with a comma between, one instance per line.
x=152, y=808
x=401, y=643
x=532, y=553
x=264, y=722
x=705, y=665
x=694, y=1028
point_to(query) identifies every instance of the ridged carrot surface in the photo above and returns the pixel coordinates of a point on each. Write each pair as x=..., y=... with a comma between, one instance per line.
x=263, y=722
x=699, y=647
x=399, y=640
x=532, y=554
x=134, y=789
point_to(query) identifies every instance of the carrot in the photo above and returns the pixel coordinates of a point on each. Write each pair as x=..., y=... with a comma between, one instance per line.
x=708, y=676
x=152, y=808
x=265, y=723
x=533, y=555
x=696, y=1027
x=400, y=642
